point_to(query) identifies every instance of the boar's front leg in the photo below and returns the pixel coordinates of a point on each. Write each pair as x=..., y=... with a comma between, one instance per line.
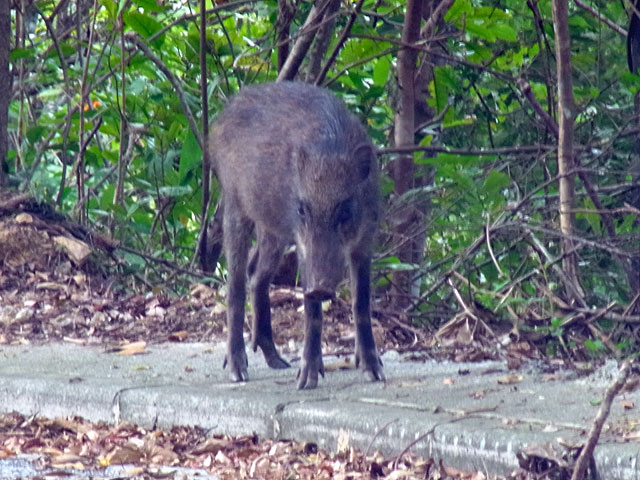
x=366, y=353
x=312, y=352
x=236, y=245
x=264, y=262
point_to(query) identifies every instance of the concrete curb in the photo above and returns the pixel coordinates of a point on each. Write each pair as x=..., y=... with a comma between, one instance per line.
x=470, y=421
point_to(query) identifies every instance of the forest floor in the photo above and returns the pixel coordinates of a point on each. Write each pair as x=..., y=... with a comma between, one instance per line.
x=57, y=283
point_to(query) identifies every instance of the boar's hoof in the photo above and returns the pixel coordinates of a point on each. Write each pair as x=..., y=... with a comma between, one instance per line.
x=371, y=365
x=238, y=364
x=276, y=361
x=308, y=374
x=270, y=353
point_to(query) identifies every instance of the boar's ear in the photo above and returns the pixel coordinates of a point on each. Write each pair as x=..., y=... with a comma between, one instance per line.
x=363, y=156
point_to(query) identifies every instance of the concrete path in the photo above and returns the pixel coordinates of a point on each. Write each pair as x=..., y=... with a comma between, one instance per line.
x=472, y=416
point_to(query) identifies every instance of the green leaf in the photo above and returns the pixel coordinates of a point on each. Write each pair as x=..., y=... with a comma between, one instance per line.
x=496, y=181
x=381, y=71
x=149, y=5
x=52, y=93
x=465, y=182
x=18, y=53
x=480, y=30
x=594, y=345
x=175, y=190
x=504, y=32
x=36, y=133
x=111, y=8
x=458, y=9
x=441, y=83
x=106, y=197
x=190, y=155
x=394, y=264
x=592, y=218
x=144, y=25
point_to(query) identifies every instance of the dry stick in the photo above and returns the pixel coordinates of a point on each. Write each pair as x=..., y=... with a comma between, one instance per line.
x=583, y=241
x=377, y=434
x=587, y=451
x=614, y=317
x=167, y=263
x=429, y=432
x=568, y=281
x=632, y=304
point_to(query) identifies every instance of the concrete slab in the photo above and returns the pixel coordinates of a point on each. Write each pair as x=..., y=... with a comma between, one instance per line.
x=459, y=413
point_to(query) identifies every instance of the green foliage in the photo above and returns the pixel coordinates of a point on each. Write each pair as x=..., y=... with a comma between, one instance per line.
x=476, y=102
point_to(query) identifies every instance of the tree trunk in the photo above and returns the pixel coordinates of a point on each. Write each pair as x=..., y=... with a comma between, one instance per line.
x=566, y=111
x=307, y=33
x=5, y=79
x=633, y=59
x=286, y=15
x=322, y=41
x=206, y=168
x=403, y=167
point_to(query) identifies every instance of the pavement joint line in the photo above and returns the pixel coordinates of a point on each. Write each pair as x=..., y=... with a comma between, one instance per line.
x=484, y=413
x=276, y=429
x=116, y=408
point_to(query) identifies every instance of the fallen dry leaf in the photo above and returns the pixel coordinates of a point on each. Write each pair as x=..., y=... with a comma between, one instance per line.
x=478, y=394
x=627, y=404
x=134, y=348
x=180, y=336
x=345, y=364
x=125, y=454
x=510, y=379
x=76, y=250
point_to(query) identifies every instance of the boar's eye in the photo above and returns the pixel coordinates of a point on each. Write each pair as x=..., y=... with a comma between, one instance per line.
x=344, y=212
x=303, y=212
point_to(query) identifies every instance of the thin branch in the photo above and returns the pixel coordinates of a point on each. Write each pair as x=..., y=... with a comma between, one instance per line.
x=174, y=82
x=301, y=47
x=343, y=38
x=525, y=88
x=587, y=451
x=516, y=150
x=616, y=28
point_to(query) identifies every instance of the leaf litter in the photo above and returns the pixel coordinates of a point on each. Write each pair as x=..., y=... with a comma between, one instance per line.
x=73, y=444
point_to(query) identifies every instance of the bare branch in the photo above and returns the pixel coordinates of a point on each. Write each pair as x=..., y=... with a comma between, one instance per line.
x=587, y=451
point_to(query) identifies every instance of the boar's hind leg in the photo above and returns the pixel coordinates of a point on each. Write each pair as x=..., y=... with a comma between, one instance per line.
x=236, y=245
x=312, y=352
x=263, y=264
x=366, y=353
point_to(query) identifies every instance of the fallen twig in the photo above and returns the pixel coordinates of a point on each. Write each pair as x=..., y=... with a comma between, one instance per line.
x=587, y=451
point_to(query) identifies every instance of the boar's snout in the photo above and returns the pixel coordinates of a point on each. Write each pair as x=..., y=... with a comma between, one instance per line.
x=322, y=265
